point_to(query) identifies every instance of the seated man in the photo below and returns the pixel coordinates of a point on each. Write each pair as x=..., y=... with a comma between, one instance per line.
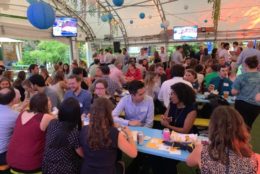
x=138, y=107
x=83, y=96
x=7, y=120
x=221, y=83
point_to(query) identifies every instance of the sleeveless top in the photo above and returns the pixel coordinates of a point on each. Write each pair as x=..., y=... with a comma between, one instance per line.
x=179, y=115
x=59, y=91
x=25, y=151
x=102, y=161
x=236, y=165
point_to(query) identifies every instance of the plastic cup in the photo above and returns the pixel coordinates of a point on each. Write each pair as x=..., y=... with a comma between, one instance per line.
x=225, y=94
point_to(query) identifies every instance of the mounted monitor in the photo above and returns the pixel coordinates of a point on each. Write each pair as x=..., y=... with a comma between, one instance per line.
x=65, y=27
x=185, y=33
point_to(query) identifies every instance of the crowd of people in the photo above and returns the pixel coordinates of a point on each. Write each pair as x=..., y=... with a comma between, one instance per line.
x=75, y=120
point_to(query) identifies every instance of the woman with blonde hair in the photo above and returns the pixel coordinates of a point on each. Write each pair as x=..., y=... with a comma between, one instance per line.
x=229, y=150
x=152, y=84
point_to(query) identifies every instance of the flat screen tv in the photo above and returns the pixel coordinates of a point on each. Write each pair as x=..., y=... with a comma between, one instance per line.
x=65, y=27
x=185, y=33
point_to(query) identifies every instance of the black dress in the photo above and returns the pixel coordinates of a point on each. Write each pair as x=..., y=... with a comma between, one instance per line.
x=63, y=160
x=179, y=115
x=101, y=161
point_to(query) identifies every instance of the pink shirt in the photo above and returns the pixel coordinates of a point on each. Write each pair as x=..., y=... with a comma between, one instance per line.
x=116, y=75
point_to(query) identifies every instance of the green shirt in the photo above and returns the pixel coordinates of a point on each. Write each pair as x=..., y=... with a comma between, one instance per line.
x=209, y=77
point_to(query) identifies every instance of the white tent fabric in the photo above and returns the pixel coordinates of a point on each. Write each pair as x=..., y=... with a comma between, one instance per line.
x=235, y=15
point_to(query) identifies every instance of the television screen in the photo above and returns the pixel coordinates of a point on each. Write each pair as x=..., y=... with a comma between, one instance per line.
x=185, y=33
x=65, y=26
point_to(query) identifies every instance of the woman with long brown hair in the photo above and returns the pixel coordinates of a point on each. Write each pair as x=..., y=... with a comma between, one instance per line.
x=229, y=150
x=100, y=140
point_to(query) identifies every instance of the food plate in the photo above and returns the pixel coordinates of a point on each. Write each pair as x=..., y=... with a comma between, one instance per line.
x=146, y=138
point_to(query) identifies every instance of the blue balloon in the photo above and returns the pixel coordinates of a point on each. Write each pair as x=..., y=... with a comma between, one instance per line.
x=109, y=16
x=118, y=2
x=162, y=26
x=41, y=15
x=31, y=1
x=131, y=21
x=142, y=15
x=104, y=18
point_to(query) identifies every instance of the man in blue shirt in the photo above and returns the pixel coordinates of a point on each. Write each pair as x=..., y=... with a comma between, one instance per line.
x=221, y=83
x=7, y=120
x=138, y=107
x=83, y=96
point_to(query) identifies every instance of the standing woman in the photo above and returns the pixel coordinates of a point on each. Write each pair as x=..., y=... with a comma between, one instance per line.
x=100, y=140
x=66, y=70
x=246, y=86
x=25, y=151
x=18, y=84
x=229, y=150
x=59, y=85
x=46, y=77
x=62, y=141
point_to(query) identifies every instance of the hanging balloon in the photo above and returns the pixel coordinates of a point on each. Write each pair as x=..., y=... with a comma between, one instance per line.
x=41, y=15
x=162, y=26
x=131, y=21
x=142, y=15
x=118, y=3
x=104, y=18
x=166, y=24
x=31, y=1
x=109, y=16
x=205, y=21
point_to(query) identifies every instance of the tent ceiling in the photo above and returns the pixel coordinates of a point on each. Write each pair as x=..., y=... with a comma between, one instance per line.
x=235, y=15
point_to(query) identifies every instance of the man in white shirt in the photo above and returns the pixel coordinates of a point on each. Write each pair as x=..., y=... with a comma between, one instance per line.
x=142, y=55
x=164, y=57
x=108, y=57
x=177, y=72
x=177, y=57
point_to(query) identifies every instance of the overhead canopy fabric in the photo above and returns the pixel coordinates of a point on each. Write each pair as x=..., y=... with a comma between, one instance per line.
x=235, y=15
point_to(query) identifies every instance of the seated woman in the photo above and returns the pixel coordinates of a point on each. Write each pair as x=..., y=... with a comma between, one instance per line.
x=100, y=90
x=133, y=73
x=62, y=141
x=100, y=140
x=229, y=150
x=182, y=111
x=25, y=151
x=5, y=83
x=191, y=76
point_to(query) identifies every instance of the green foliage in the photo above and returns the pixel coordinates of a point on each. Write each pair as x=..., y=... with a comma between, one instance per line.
x=44, y=52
